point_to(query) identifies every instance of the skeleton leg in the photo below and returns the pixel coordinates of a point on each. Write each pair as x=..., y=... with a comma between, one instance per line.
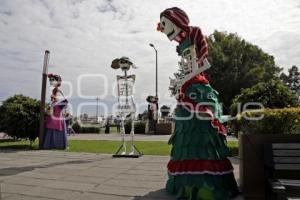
x=123, y=135
x=132, y=134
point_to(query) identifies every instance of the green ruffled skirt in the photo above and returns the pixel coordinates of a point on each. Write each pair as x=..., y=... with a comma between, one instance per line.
x=196, y=139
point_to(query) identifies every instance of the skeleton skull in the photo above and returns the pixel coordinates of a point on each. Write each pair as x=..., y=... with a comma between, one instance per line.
x=169, y=28
x=55, y=81
x=124, y=64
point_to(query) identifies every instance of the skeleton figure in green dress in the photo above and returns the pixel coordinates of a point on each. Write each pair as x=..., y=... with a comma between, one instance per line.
x=198, y=167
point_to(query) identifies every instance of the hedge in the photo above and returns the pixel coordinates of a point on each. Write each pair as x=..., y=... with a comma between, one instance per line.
x=85, y=129
x=274, y=121
x=139, y=127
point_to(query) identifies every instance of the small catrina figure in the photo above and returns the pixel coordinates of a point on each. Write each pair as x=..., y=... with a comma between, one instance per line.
x=199, y=167
x=55, y=136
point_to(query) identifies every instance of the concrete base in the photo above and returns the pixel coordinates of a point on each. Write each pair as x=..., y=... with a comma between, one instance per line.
x=127, y=155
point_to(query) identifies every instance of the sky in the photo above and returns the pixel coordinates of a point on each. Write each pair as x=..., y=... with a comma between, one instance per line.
x=84, y=36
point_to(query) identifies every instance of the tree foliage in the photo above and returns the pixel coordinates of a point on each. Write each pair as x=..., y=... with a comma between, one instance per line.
x=19, y=117
x=272, y=94
x=292, y=80
x=237, y=64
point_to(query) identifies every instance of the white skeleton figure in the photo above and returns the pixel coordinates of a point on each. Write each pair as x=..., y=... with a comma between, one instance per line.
x=188, y=65
x=126, y=104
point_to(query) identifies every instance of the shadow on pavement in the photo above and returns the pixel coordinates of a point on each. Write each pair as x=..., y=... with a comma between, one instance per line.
x=157, y=195
x=16, y=170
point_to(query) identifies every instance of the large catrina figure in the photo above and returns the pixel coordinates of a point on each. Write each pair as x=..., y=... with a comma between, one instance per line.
x=55, y=136
x=199, y=167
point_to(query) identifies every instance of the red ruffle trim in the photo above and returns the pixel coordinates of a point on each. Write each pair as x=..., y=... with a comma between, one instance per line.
x=200, y=167
x=220, y=127
x=200, y=78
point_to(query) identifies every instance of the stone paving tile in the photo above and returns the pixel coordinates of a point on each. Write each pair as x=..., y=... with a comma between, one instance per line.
x=4, y=195
x=85, y=179
x=56, y=184
x=141, y=177
x=27, y=181
x=35, y=174
x=24, y=197
x=120, y=190
x=52, y=170
x=54, y=193
x=101, y=172
x=142, y=172
x=67, y=167
x=152, y=167
x=17, y=189
x=135, y=184
x=118, y=166
x=75, y=186
x=120, y=163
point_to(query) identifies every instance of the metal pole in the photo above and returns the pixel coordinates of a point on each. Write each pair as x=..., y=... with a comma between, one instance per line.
x=156, y=72
x=97, y=99
x=43, y=99
x=156, y=90
x=156, y=86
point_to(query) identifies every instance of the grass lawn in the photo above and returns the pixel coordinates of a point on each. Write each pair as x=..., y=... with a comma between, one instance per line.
x=105, y=146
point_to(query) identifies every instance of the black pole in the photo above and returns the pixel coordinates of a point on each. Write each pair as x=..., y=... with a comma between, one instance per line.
x=156, y=87
x=43, y=99
x=97, y=100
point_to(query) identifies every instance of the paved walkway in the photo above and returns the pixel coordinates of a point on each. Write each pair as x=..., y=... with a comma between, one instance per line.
x=115, y=136
x=54, y=175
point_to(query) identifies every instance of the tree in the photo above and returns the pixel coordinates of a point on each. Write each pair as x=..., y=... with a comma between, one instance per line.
x=292, y=80
x=19, y=117
x=237, y=64
x=272, y=94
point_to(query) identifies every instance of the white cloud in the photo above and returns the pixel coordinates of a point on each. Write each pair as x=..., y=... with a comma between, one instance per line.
x=85, y=36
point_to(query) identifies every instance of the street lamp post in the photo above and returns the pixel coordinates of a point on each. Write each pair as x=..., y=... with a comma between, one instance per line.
x=97, y=99
x=151, y=45
x=156, y=84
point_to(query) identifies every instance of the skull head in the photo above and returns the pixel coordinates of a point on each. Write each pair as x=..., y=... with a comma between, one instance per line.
x=169, y=28
x=124, y=64
x=55, y=80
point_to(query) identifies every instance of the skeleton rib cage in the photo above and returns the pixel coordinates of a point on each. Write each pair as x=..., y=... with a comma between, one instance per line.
x=125, y=94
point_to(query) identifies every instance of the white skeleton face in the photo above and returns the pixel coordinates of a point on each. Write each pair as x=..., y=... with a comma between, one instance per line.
x=54, y=82
x=169, y=28
x=124, y=65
